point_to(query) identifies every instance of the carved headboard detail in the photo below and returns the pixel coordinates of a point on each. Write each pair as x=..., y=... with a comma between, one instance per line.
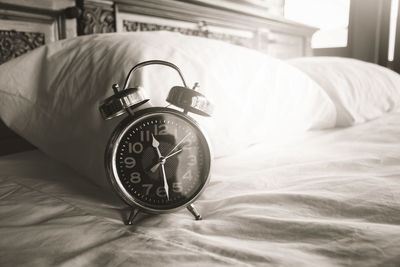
x=14, y=44
x=26, y=24
x=267, y=33
x=96, y=17
x=99, y=17
x=202, y=31
x=24, y=27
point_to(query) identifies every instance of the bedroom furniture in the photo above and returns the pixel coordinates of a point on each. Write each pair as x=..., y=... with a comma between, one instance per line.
x=25, y=25
x=330, y=199
x=306, y=163
x=266, y=32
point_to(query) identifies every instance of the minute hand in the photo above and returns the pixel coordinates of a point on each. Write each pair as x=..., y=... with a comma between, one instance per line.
x=166, y=188
x=180, y=142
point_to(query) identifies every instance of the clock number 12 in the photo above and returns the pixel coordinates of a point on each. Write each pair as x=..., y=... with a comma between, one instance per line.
x=157, y=130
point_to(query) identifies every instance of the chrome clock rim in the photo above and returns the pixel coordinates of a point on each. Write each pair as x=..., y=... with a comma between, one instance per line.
x=111, y=151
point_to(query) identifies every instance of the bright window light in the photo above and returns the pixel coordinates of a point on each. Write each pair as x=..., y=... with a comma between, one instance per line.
x=331, y=17
x=394, y=9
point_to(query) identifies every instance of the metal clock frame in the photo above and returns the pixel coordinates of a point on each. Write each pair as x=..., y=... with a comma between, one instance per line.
x=115, y=180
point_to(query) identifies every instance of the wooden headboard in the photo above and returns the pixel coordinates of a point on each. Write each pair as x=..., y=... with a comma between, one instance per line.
x=256, y=24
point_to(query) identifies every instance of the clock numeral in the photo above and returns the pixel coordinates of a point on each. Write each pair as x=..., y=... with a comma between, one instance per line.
x=177, y=187
x=135, y=178
x=187, y=145
x=129, y=162
x=162, y=129
x=148, y=187
x=161, y=191
x=145, y=136
x=187, y=175
x=191, y=160
x=136, y=147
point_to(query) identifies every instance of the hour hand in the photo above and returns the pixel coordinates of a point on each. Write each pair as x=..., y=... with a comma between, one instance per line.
x=155, y=167
x=155, y=144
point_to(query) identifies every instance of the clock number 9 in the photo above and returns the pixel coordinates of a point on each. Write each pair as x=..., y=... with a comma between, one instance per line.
x=129, y=162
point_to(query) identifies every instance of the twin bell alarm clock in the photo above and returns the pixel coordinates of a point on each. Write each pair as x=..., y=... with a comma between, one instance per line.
x=157, y=159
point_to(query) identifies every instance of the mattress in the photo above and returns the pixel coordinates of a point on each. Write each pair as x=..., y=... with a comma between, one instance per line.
x=328, y=198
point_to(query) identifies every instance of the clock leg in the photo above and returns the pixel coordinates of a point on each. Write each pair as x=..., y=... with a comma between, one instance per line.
x=132, y=216
x=194, y=212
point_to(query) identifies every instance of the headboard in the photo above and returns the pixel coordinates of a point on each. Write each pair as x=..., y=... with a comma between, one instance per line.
x=256, y=24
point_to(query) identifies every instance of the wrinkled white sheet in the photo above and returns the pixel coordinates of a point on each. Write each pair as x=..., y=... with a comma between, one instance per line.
x=331, y=198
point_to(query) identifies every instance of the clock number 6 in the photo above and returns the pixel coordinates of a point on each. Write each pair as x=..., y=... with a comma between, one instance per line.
x=161, y=191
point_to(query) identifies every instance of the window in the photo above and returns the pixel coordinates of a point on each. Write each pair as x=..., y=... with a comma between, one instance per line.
x=392, y=31
x=331, y=17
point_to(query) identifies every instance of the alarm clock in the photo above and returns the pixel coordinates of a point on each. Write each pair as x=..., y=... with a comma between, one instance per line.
x=158, y=159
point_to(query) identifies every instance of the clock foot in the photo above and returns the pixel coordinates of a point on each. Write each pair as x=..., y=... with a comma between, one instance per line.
x=132, y=216
x=194, y=212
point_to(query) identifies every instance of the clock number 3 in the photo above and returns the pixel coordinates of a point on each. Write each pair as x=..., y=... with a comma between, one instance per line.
x=191, y=160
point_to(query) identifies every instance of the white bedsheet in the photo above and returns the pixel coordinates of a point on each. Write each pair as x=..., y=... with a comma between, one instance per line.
x=330, y=199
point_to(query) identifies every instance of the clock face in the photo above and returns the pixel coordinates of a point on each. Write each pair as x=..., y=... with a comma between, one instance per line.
x=160, y=160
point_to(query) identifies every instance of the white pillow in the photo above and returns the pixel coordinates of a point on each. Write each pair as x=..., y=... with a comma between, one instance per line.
x=51, y=95
x=361, y=91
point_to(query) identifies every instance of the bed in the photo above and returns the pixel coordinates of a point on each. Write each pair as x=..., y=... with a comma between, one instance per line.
x=331, y=199
x=306, y=150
